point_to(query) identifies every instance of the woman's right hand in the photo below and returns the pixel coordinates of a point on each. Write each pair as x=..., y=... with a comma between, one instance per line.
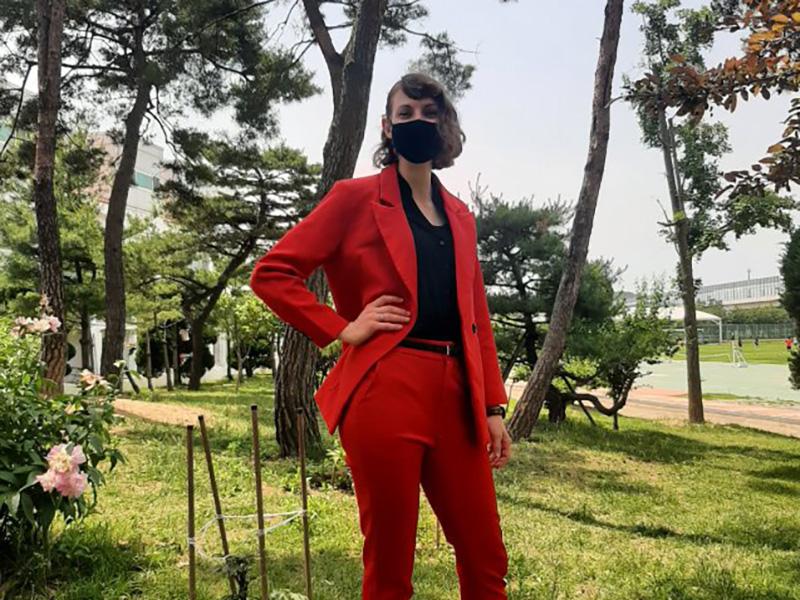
x=378, y=315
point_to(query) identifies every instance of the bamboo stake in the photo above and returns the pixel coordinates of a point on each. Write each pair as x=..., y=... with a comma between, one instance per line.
x=262, y=555
x=190, y=523
x=301, y=445
x=215, y=493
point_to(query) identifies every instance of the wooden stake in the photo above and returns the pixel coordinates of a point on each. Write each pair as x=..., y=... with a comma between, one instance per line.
x=190, y=523
x=262, y=553
x=215, y=493
x=301, y=445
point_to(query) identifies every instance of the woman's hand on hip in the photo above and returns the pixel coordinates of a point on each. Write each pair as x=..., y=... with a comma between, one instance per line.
x=499, y=446
x=378, y=315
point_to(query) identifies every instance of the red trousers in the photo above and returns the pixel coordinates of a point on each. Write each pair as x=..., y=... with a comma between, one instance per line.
x=408, y=423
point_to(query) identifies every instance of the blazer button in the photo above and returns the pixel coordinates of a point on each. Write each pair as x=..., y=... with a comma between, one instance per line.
x=474, y=328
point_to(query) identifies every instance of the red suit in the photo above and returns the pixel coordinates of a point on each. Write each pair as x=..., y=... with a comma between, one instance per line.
x=413, y=416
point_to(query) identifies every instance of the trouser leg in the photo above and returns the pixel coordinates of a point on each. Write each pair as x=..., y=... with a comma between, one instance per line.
x=384, y=438
x=457, y=479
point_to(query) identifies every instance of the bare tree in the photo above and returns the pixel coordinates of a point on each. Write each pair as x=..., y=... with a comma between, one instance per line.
x=50, y=21
x=350, y=72
x=530, y=404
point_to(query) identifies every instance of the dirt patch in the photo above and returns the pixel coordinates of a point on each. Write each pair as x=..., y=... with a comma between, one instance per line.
x=167, y=414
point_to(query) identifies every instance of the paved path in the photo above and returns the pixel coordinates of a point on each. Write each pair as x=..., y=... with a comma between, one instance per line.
x=671, y=405
x=168, y=414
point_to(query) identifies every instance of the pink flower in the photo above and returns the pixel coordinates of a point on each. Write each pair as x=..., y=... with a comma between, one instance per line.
x=71, y=484
x=78, y=457
x=22, y=325
x=54, y=323
x=62, y=461
x=47, y=480
x=63, y=473
x=89, y=380
x=42, y=325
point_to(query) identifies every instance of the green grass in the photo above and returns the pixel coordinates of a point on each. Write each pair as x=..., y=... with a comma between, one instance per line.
x=767, y=352
x=649, y=512
x=748, y=399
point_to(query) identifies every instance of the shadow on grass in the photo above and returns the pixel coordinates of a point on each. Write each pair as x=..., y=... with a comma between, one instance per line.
x=774, y=488
x=789, y=473
x=658, y=446
x=87, y=560
x=745, y=535
x=707, y=582
x=90, y=566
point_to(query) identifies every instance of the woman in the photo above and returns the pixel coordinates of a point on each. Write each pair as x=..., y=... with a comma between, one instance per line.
x=417, y=394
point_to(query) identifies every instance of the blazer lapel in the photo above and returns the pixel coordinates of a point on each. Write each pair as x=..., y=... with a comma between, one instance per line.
x=396, y=232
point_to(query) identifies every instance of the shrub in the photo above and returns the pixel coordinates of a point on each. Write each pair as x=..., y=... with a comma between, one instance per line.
x=51, y=448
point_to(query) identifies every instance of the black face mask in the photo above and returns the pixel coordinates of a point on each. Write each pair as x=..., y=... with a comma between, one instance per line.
x=417, y=141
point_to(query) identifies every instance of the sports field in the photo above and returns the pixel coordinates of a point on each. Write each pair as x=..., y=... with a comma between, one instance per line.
x=767, y=352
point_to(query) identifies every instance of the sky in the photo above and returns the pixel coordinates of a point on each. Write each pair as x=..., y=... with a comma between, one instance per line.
x=527, y=117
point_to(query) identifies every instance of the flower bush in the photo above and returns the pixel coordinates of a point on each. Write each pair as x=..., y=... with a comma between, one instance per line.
x=51, y=448
x=63, y=473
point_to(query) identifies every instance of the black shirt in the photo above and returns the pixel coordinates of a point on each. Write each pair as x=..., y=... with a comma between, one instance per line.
x=437, y=315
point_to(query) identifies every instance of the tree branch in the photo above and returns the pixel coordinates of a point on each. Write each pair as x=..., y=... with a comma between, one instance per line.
x=322, y=35
x=18, y=111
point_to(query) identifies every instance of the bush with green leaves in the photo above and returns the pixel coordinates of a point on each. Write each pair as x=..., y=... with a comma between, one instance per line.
x=51, y=447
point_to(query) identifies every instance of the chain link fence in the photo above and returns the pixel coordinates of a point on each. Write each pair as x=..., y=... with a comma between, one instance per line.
x=709, y=332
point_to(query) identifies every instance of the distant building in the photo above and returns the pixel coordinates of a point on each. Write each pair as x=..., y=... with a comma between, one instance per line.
x=747, y=293
x=148, y=173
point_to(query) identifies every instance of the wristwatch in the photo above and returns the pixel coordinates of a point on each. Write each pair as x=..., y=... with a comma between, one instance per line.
x=496, y=409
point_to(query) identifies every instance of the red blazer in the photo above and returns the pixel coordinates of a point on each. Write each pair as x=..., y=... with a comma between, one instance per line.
x=360, y=236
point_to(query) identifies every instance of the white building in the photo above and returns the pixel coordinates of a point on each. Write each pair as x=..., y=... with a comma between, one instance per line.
x=148, y=172
x=747, y=293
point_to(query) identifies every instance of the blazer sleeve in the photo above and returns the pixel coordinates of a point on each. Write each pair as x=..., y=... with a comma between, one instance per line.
x=279, y=276
x=494, y=387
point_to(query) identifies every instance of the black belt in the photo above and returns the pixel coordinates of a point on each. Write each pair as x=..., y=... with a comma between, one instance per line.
x=452, y=349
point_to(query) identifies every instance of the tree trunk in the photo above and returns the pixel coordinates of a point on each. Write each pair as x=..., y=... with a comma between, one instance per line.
x=148, y=360
x=228, y=349
x=557, y=404
x=529, y=406
x=685, y=270
x=50, y=21
x=351, y=80
x=176, y=357
x=114, y=337
x=294, y=382
x=198, y=352
x=132, y=381
x=238, y=343
x=87, y=361
x=166, y=361
x=512, y=360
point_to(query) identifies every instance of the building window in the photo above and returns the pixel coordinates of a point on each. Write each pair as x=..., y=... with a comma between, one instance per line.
x=144, y=181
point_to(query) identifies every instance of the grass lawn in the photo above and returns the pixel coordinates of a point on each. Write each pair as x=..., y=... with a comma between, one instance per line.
x=767, y=352
x=649, y=512
x=748, y=399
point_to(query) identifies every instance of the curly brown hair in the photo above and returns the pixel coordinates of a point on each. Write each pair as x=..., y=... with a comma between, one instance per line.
x=418, y=86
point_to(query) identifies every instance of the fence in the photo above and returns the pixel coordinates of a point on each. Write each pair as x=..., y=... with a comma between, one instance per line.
x=709, y=332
